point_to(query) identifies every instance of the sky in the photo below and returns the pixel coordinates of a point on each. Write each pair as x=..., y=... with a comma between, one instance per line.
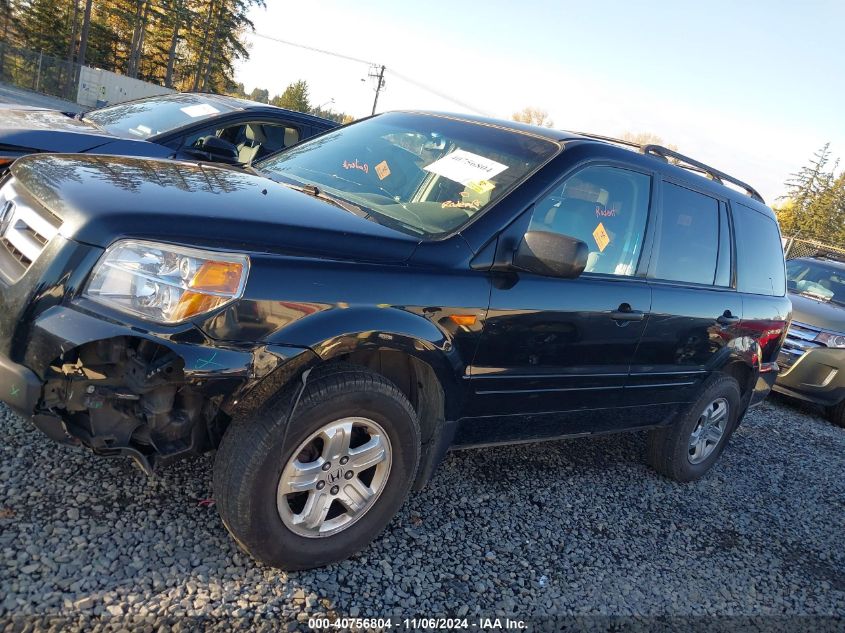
x=752, y=88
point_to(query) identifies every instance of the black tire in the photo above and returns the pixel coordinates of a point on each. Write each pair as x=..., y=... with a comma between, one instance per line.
x=253, y=454
x=669, y=448
x=836, y=414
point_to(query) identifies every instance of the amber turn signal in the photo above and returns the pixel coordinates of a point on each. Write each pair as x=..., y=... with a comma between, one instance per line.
x=218, y=277
x=463, y=319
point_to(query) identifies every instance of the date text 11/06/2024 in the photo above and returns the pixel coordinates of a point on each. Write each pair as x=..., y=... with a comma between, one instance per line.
x=414, y=624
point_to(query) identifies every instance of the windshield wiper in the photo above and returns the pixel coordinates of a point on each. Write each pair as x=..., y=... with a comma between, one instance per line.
x=316, y=192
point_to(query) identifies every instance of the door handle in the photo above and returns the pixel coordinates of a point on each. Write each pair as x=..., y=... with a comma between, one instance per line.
x=727, y=318
x=625, y=313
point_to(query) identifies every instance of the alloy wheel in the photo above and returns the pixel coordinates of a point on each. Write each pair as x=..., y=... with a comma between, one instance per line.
x=334, y=477
x=708, y=431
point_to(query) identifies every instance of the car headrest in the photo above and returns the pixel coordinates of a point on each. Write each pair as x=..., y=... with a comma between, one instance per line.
x=255, y=133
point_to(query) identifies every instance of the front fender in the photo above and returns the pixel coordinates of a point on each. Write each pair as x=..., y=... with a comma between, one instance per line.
x=338, y=332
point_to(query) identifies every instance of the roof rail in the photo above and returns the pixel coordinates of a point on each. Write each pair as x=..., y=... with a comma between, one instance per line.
x=610, y=139
x=685, y=162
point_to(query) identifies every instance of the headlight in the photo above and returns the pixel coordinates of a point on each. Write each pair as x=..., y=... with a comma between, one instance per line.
x=164, y=283
x=830, y=339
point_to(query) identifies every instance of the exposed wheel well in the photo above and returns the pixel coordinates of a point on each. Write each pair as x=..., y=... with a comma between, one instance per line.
x=418, y=381
x=744, y=376
x=742, y=373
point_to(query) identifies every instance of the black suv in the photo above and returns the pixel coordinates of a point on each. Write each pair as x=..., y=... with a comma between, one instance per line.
x=335, y=321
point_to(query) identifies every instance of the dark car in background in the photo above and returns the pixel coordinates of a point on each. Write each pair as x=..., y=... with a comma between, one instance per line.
x=193, y=126
x=410, y=283
x=812, y=359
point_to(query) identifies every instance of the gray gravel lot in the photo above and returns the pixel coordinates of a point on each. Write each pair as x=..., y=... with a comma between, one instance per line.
x=576, y=527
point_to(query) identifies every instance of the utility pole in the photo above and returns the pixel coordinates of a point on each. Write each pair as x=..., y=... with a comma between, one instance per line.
x=377, y=73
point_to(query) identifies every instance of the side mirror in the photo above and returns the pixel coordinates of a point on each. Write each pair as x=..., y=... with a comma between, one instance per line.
x=213, y=148
x=551, y=254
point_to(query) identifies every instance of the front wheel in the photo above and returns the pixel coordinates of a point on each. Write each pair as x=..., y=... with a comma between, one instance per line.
x=689, y=448
x=322, y=489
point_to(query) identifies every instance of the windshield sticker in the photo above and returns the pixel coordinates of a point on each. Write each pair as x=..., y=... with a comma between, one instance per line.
x=601, y=237
x=382, y=170
x=466, y=167
x=356, y=165
x=475, y=205
x=199, y=109
x=604, y=212
x=481, y=186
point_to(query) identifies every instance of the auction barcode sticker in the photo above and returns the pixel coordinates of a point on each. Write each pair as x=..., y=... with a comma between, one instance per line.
x=465, y=167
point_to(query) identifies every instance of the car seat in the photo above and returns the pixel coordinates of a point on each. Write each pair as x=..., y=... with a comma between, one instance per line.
x=252, y=147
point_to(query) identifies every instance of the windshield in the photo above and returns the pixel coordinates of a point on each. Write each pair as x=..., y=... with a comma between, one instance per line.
x=156, y=115
x=427, y=175
x=816, y=280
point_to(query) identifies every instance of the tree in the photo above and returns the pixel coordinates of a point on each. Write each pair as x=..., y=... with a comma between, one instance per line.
x=534, y=116
x=295, y=97
x=331, y=115
x=182, y=44
x=814, y=207
x=647, y=138
x=811, y=180
x=260, y=94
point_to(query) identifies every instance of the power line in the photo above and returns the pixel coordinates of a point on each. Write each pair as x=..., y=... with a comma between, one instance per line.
x=358, y=60
x=314, y=49
x=436, y=92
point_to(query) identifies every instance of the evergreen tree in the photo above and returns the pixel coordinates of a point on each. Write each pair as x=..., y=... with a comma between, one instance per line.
x=814, y=207
x=183, y=44
x=295, y=97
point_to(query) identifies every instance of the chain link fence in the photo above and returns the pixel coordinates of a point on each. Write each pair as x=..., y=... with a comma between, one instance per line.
x=39, y=72
x=797, y=247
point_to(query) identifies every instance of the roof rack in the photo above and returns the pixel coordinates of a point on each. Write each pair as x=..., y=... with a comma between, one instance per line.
x=719, y=176
x=685, y=162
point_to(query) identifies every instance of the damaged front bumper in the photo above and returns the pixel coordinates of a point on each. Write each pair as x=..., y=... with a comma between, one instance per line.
x=123, y=390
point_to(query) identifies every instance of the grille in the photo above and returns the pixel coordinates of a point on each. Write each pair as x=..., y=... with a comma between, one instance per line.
x=24, y=233
x=799, y=339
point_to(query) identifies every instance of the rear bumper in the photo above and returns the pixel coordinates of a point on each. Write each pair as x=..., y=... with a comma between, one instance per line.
x=20, y=388
x=817, y=375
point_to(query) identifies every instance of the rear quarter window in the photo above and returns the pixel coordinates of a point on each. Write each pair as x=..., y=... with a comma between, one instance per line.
x=760, y=266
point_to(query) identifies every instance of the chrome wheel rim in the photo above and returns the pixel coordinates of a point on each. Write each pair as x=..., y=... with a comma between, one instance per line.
x=334, y=477
x=709, y=431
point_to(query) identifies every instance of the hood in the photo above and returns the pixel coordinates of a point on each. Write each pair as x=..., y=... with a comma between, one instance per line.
x=828, y=316
x=100, y=199
x=43, y=130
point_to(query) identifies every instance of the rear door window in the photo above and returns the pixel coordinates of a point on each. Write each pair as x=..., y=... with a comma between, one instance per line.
x=687, y=241
x=760, y=268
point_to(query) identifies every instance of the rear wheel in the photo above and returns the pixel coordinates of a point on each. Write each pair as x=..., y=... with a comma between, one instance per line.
x=689, y=448
x=325, y=487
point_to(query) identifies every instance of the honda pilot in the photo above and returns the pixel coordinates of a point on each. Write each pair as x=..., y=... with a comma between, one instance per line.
x=335, y=320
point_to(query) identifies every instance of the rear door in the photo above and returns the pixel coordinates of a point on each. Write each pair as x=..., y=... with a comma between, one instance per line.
x=555, y=353
x=695, y=310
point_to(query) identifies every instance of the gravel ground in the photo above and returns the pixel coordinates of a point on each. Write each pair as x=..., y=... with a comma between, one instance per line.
x=576, y=527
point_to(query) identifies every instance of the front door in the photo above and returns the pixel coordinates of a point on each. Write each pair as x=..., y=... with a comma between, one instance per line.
x=555, y=353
